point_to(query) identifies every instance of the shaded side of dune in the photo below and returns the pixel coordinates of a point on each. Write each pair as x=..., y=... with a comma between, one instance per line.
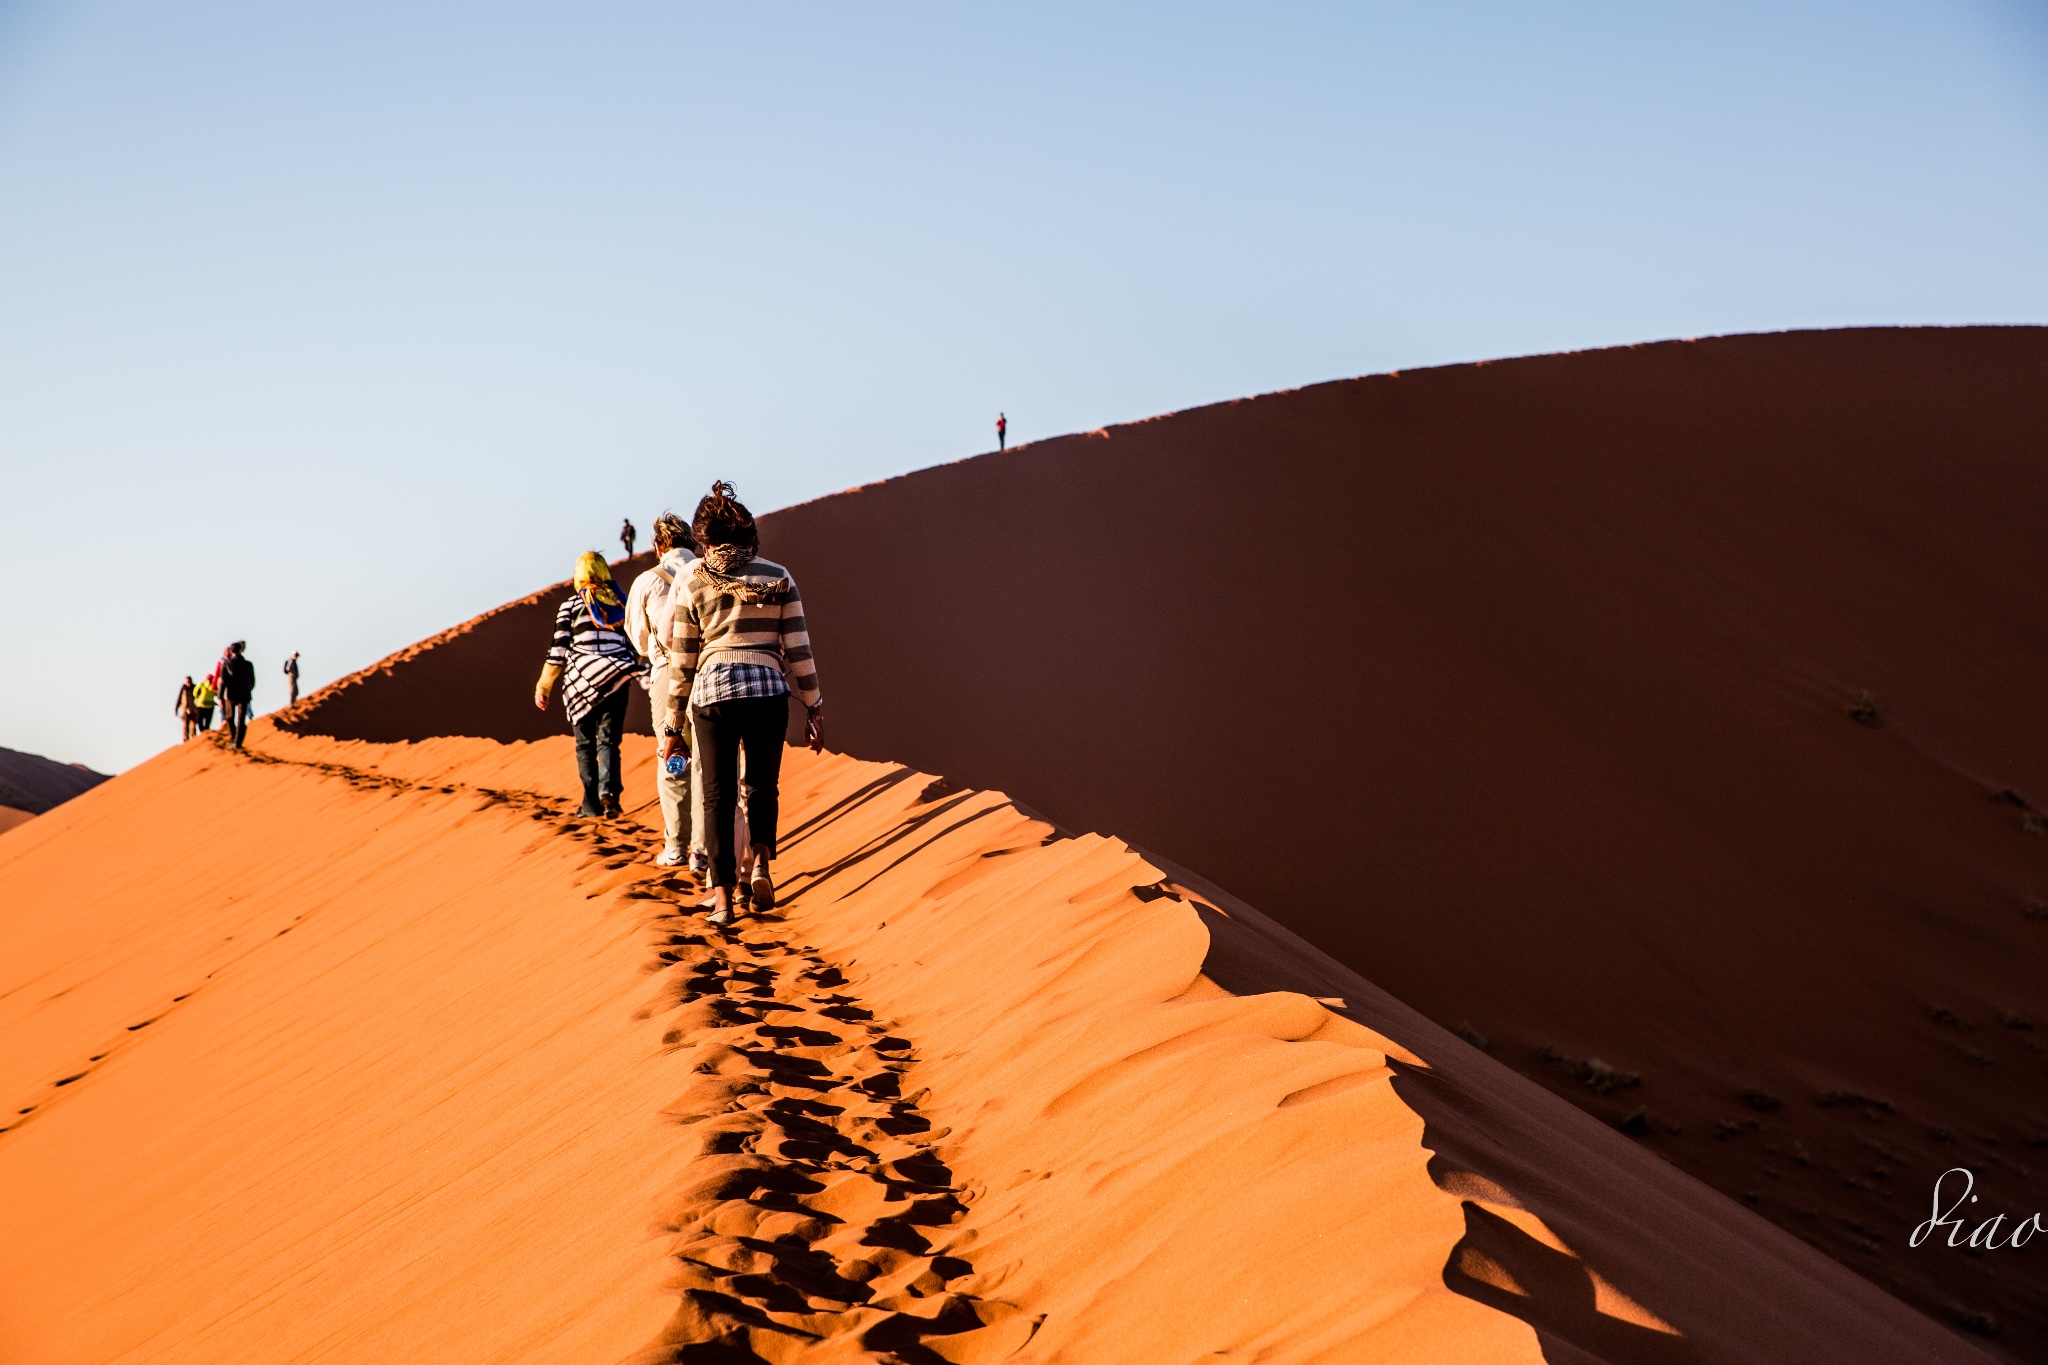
x=1665, y=719
x=474, y=679
x=32, y=784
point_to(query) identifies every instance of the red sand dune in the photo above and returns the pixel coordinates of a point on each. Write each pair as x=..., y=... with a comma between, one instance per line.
x=361, y=1052
x=1552, y=736
x=353, y=1048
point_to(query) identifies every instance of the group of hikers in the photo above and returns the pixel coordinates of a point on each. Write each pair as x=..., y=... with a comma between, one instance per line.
x=231, y=685
x=716, y=635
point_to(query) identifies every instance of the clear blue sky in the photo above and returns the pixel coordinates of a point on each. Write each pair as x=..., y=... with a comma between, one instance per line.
x=330, y=325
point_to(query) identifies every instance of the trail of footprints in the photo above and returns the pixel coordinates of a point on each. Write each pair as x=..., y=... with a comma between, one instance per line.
x=813, y=1220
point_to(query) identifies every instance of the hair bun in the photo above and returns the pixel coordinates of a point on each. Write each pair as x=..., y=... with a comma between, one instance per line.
x=722, y=519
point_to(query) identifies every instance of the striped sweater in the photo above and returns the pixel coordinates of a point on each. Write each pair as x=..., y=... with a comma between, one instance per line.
x=752, y=616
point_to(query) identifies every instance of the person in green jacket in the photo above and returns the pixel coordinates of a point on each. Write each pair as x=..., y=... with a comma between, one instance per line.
x=202, y=705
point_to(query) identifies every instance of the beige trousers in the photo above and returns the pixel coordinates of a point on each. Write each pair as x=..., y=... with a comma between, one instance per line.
x=681, y=806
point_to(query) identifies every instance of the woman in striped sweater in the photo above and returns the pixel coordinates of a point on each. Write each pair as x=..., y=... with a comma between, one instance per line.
x=737, y=647
x=594, y=661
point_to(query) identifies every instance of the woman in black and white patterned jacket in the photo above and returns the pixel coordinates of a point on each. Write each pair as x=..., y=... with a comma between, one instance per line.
x=594, y=661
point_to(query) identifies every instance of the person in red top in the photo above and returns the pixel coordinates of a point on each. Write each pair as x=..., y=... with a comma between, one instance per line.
x=1002, y=431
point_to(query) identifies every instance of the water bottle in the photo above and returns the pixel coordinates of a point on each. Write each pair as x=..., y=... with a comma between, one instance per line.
x=675, y=765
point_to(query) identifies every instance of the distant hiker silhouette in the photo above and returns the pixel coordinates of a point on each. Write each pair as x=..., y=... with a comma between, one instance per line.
x=185, y=710
x=594, y=661
x=237, y=688
x=738, y=645
x=627, y=535
x=291, y=674
x=646, y=604
x=1002, y=431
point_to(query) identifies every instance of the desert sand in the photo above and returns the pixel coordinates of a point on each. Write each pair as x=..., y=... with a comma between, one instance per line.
x=11, y=817
x=369, y=1052
x=1567, y=754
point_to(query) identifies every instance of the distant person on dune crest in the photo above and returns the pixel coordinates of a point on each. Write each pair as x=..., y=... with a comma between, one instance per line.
x=1002, y=431
x=627, y=535
x=736, y=636
x=184, y=710
x=202, y=705
x=646, y=604
x=594, y=661
x=237, y=689
x=291, y=677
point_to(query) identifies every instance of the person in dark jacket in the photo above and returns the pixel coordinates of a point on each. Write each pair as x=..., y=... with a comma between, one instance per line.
x=237, y=689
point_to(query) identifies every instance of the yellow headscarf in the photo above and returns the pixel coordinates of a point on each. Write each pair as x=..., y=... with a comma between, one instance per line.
x=594, y=578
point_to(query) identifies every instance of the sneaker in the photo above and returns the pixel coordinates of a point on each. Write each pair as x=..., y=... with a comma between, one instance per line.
x=700, y=862
x=720, y=917
x=764, y=889
x=670, y=857
x=611, y=807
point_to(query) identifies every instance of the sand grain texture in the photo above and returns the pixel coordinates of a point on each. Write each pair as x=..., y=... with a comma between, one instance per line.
x=367, y=1052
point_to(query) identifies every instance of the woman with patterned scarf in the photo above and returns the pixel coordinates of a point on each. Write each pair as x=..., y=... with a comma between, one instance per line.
x=594, y=661
x=738, y=647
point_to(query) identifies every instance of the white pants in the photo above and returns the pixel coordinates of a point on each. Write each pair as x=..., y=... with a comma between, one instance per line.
x=679, y=803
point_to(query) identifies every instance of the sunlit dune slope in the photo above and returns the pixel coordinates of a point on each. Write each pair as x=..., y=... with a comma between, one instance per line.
x=1533, y=692
x=345, y=1051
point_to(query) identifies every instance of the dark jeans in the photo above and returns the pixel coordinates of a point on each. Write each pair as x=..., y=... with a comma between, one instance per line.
x=759, y=724
x=236, y=721
x=597, y=749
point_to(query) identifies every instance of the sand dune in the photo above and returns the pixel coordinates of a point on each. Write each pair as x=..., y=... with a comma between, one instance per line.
x=357, y=1046
x=1559, y=744
x=31, y=783
x=363, y=1052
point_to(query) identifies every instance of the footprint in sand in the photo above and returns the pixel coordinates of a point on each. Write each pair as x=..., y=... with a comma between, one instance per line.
x=812, y=1220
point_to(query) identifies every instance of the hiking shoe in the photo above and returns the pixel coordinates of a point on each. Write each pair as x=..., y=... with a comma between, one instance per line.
x=589, y=812
x=611, y=807
x=670, y=857
x=764, y=890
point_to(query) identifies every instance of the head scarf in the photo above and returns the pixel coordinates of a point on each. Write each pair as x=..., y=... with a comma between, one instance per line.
x=726, y=560
x=594, y=586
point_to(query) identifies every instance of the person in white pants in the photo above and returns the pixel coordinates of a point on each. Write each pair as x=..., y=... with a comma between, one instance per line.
x=681, y=817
